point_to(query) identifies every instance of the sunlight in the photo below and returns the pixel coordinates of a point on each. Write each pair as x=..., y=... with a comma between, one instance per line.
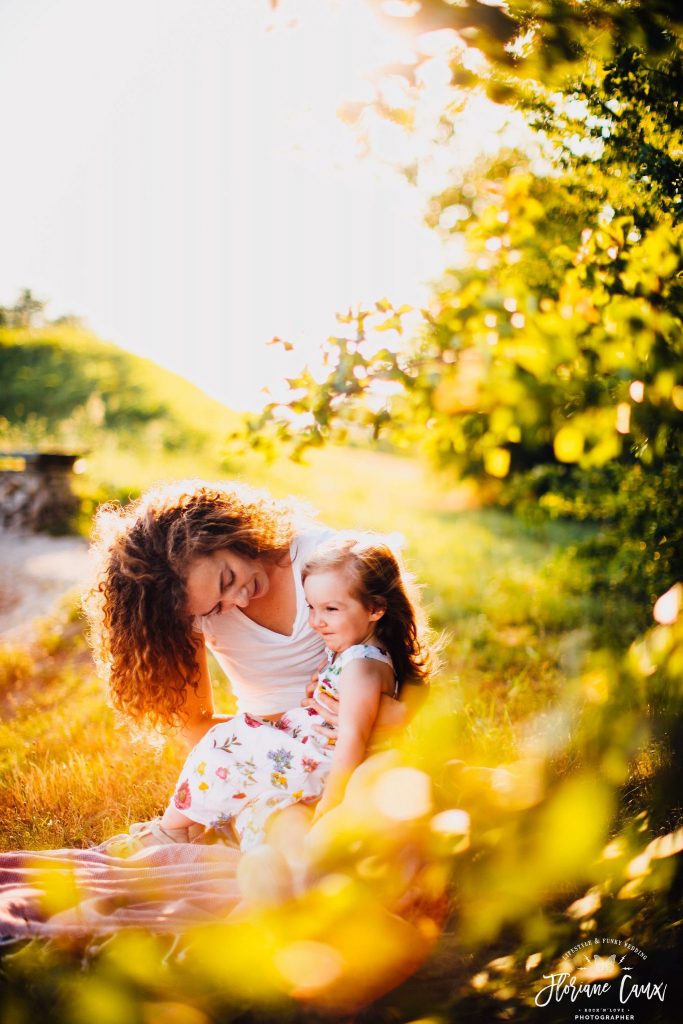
x=403, y=794
x=668, y=606
x=308, y=966
x=216, y=199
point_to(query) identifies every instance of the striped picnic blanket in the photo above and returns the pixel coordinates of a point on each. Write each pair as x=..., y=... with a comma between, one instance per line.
x=50, y=893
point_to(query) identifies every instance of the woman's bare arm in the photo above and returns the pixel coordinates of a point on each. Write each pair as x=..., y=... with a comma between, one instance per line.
x=199, y=712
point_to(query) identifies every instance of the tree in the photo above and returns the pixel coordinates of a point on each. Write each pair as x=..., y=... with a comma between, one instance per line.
x=27, y=309
x=553, y=360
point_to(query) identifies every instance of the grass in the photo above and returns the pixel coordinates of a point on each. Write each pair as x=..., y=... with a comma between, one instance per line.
x=69, y=775
x=520, y=627
x=514, y=621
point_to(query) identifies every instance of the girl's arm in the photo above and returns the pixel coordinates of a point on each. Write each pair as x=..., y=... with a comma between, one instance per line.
x=392, y=716
x=360, y=686
x=198, y=711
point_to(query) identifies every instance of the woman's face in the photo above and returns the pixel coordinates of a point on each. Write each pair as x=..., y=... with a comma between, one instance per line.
x=224, y=580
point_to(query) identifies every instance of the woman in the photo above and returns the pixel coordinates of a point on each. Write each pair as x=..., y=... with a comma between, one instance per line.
x=191, y=566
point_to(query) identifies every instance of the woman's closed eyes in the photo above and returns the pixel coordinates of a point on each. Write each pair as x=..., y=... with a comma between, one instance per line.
x=224, y=587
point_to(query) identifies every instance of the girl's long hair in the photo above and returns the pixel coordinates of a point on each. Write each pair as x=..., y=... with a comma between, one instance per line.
x=378, y=580
x=144, y=639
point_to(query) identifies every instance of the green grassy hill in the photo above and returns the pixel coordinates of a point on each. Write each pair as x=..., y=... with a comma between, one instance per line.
x=63, y=386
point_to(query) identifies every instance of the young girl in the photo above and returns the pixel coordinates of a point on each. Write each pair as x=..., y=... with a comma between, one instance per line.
x=246, y=769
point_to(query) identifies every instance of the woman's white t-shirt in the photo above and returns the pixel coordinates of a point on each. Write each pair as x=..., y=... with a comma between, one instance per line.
x=268, y=671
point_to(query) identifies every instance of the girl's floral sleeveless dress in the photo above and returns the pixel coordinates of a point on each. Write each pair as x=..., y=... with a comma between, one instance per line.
x=244, y=770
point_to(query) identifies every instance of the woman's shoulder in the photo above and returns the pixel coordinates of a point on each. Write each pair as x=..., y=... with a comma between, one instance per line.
x=308, y=538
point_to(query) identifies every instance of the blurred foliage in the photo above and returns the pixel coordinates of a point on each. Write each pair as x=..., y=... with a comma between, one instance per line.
x=496, y=876
x=541, y=40
x=550, y=361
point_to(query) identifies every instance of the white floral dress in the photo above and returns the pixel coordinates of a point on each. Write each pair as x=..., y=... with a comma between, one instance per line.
x=245, y=769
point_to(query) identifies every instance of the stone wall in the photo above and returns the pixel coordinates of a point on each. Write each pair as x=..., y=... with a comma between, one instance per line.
x=38, y=496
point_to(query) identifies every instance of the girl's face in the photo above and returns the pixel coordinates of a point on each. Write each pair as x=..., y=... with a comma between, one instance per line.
x=224, y=580
x=339, y=617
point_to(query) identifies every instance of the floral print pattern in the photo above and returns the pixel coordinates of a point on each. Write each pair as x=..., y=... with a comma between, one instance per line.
x=271, y=764
x=228, y=743
x=282, y=758
x=183, y=797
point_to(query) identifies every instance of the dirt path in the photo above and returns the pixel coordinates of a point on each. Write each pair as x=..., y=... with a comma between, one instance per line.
x=35, y=572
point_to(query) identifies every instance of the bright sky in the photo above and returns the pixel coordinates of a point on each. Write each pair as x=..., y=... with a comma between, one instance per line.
x=174, y=172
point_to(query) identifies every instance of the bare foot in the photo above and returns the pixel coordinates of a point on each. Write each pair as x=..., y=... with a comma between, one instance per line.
x=264, y=877
x=287, y=832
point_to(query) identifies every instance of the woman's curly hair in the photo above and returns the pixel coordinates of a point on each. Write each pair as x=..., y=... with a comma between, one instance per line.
x=142, y=635
x=378, y=580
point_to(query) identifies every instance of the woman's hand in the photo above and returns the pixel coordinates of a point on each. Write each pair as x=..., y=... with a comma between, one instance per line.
x=310, y=686
x=392, y=716
x=327, y=708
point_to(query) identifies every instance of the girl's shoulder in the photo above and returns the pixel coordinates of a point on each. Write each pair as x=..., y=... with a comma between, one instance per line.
x=368, y=652
x=361, y=652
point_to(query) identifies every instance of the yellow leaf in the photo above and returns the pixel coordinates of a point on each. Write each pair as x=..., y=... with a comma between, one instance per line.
x=497, y=462
x=568, y=444
x=308, y=966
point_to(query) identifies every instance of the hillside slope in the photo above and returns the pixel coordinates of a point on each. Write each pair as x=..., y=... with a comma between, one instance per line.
x=63, y=385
